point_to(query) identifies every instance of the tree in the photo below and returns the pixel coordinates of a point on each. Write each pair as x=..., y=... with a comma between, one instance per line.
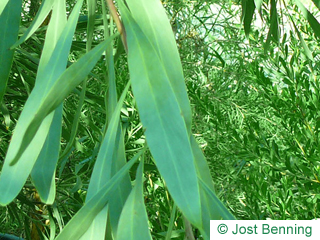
x=102, y=131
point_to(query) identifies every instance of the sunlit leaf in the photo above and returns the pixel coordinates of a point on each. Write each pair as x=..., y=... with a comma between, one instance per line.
x=248, y=7
x=314, y=24
x=80, y=223
x=41, y=15
x=9, y=26
x=43, y=172
x=161, y=115
x=133, y=223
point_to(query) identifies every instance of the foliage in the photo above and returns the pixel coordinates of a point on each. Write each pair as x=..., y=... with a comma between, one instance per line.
x=254, y=101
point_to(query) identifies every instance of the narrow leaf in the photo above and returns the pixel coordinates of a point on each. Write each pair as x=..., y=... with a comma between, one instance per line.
x=108, y=162
x=10, y=13
x=69, y=79
x=133, y=223
x=248, y=7
x=154, y=23
x=160, y=113
x=13, y=178
x=43, y=172
x=314, y=24
x=80, y=223
x=41, y=15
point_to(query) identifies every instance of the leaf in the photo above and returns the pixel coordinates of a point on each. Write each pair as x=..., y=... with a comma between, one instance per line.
x=273, y=33
x=71, y=78
x=80, y=222
x=41, y=15
x=314, y=24
x=160, y=112
x=248, y=7
x=258, y=4
x=45, y=99
x=109, y=161
x=133, y=223
x=305, y=47
x=52, y=64
x=10, y=13
x=153, y=21
x=211, y=207
x=43, y=172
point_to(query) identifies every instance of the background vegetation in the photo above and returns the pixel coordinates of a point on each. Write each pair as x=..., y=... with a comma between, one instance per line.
x=252, y=80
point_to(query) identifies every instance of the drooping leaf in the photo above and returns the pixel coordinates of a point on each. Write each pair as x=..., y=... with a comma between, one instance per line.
x=248, y=7
x=211, y=207
x=72, y=77
x=161, y=113
x=52, y=64
x=305, y=47
x=43, y=172
x=41, y=15
x=80, y=222
x=109, y=161
x=133, y=223
x=153, y=21
x=273, y=33
x=314, y=24
x=10, y=13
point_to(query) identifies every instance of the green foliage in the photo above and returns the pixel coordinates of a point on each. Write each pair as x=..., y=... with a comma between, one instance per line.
x=248, y=96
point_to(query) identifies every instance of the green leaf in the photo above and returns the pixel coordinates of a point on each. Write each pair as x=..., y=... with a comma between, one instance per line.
x=80, y=222
x=133, y=223
x=40, y=103
x=248, y=7
x=161, y=114
x=152, y=19
x=10, y=13
x=305, y=47
x=109, y=161
x=314, y=24
x=43, y=172
x=41, y=15
x=71, y=78
x=258, y=4
x=273, y=33
x=211, y=207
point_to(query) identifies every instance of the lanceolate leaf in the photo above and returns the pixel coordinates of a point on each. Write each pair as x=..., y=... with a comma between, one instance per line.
x=248, y=7
x=305, y=47
x=10, y=13
x=161, y=115
x=211, y=207
x=43, y=172
x=43, y=12
x=314, y=24
x=52, y=64
x=273, y=33
x=153, y=21
x=133, y=223
x=108, y=162
x=71, y=78
x=80, y=223
x=50, y=98
x=54, y=68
